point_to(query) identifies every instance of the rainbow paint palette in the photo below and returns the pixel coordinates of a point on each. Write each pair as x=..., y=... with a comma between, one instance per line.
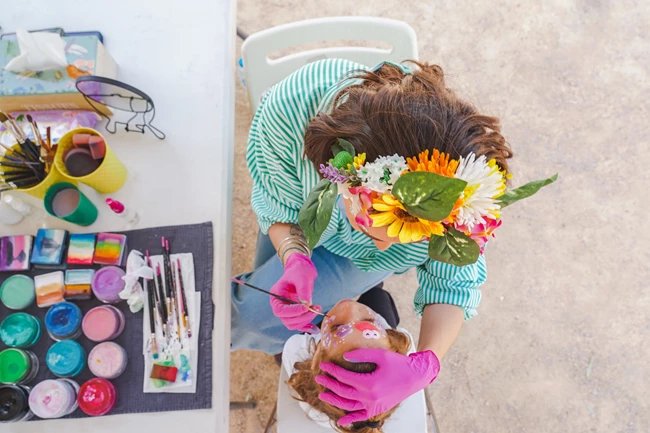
x=15, y=252
x=81, y=249
x=49, y=247
x=110, y=249
x=49, y=289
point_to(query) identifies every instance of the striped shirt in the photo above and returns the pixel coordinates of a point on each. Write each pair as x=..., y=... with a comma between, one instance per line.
x=283, y=177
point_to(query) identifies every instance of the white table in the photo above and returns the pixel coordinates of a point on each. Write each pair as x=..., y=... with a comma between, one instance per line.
x=182, y=55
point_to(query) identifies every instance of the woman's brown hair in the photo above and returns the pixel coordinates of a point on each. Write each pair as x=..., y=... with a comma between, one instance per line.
x=391, y=112
x=302, y=381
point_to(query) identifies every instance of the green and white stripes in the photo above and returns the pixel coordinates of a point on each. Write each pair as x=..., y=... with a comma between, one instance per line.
x=282, y=179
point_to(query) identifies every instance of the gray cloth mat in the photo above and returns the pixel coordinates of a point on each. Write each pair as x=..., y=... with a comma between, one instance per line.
x=196, y=239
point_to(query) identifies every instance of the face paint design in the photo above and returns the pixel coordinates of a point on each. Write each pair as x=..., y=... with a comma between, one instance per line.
x=327, y=339
x=343, y=330
x=370, y=331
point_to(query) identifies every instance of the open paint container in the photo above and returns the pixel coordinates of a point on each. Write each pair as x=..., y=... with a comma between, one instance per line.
x=108, y=283
x=14, y=404
x=103, y=323
x=107, y=360
x=54, y=398
x=17, y=366
x=64, y=200
x=75, y=163
x=20, y=330
x=18, y=292
x=97, y=397
x=63, y=321
x=66, y=358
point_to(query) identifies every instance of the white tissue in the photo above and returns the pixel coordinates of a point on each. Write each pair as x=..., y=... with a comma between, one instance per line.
x=40, y=51
x=136, y=268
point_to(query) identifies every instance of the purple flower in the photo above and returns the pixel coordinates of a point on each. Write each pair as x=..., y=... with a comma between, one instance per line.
x=332, y=173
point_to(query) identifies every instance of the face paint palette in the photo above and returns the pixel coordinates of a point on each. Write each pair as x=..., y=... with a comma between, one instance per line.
x=97, y=397
x=107, y=360
x=81, y=249
x=78, y=284
x=49, y=289
x=49, y=247
x=110, y=249
x=15, y=252
x=17, y=292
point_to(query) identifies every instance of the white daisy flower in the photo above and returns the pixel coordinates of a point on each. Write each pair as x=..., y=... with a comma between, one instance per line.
x=485, y=183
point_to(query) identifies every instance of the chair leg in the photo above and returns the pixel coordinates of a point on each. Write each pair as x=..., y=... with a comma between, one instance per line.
x=272, y=419
x=235, y=405
x=431, y=413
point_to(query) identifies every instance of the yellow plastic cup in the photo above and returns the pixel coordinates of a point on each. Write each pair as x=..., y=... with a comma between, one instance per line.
x=109, y=176
x=39, y=190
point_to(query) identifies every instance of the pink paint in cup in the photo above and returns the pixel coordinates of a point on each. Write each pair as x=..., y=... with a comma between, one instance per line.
x=107, y=283
x=107, y=360
x=103, y=323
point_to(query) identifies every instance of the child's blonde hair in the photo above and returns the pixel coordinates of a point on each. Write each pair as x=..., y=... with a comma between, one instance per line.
x=302, y=381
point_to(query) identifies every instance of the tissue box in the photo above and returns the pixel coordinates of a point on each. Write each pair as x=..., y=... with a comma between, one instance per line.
x=55, y=89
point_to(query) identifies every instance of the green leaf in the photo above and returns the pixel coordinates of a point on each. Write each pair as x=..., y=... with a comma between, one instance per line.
x=428, y=195
x=342, y=160
x=343, y=146
x=454, y=248
x=524, y=191
x=315, y=214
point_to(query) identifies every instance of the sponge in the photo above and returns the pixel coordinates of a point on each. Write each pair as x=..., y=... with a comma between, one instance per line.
x=97, y=147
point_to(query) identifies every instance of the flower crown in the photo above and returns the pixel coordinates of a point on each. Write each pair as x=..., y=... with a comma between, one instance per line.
x=455, y=204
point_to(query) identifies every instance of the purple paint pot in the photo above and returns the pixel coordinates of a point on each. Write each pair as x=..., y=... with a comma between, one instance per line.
x=108, y=283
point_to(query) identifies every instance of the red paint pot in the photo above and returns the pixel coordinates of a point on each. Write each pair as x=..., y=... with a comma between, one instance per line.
x=97, y=397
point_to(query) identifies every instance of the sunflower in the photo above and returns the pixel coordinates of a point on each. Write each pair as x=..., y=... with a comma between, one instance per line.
x=408, y=228
x=359, y=160
x=439, y=163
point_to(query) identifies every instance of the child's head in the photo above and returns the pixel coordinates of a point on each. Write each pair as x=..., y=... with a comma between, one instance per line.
x=389, y=112
x=350, y=326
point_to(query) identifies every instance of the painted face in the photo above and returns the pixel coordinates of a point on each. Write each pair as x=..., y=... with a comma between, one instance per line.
x=352, y=326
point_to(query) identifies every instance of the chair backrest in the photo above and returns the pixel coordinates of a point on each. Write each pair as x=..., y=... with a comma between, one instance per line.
x=261, y=72
x=410, y=416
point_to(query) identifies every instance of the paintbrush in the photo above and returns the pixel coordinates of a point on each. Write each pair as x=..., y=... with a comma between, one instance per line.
x=25, y=143
x=186, y=311
x=282, y=298
x=159, y=309
x=35, y=131
x=152, y=319
x=168, y=311
x=171, y=281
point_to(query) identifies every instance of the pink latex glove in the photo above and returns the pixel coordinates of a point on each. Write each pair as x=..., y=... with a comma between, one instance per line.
x=365, y=396
x=297, y=284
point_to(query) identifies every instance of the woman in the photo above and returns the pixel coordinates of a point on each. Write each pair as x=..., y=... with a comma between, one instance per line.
x=332, y=128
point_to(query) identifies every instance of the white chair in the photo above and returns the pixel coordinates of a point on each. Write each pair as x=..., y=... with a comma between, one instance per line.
x=261, y=72
x=410, y=416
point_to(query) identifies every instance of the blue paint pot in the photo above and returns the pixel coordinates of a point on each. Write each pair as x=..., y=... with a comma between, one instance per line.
x=66, y=358
x=63, y=321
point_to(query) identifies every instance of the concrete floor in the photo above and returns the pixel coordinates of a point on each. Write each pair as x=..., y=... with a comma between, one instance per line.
x=560, y=343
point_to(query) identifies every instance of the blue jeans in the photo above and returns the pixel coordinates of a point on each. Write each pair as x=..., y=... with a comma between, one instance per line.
x=253, y=325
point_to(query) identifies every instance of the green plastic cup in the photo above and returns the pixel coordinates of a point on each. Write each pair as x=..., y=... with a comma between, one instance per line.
x=64, y=200
x=20, y=330
x=17, y=292
x=17, y=366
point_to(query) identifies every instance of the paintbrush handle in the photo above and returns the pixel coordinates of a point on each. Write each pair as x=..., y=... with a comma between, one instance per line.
x=282, y=298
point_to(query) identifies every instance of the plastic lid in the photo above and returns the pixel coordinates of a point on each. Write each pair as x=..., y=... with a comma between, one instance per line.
x=20, y=330
x=13, y=403
x=51, y=399
x=66, y=358
x=17, y=292
x=14, y=365
x=63, y=320
x=97, y=397
x=108, y=283
x=100, y=324
x=115, y=205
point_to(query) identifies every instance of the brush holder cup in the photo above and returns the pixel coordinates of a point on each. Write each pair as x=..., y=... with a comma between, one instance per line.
x=108, y=177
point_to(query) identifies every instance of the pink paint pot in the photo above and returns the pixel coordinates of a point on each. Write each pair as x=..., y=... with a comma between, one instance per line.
x=103, y=323
x=107, y=283
x=97, y=397
x=107, y=360
x=52, y=399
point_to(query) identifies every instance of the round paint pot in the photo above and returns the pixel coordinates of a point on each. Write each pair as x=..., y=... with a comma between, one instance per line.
x=17, y=292
x=103, y=323
x=107, y=283
x=14, y=404
x=63, y=321
x=20, y=330
x=80, y=162
x=66, y=358
x=107, y=360
x=97, y=397
x=54, y=398
x=17, y=366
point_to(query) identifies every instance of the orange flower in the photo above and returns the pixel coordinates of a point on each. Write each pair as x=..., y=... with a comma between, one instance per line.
x=439, y=163
x=455, y=211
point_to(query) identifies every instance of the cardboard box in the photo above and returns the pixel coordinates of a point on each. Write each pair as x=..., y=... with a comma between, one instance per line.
x=55, y=89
